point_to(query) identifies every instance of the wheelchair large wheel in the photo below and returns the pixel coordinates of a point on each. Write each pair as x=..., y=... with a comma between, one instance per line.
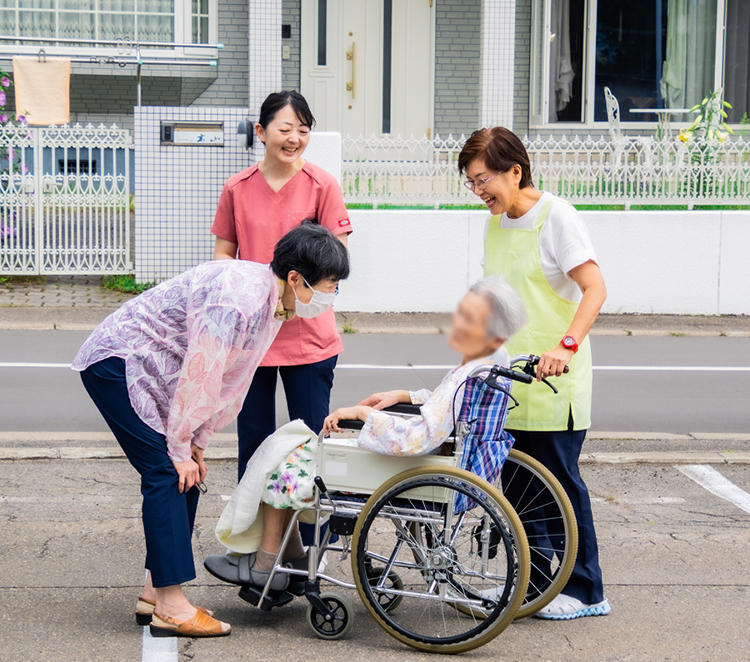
x=453, y=540
x=550, y=525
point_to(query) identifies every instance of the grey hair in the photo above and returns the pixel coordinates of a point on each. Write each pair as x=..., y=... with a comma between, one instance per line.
x=507, y=312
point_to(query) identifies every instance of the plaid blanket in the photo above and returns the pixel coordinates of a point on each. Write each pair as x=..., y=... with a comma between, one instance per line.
x=487, y=444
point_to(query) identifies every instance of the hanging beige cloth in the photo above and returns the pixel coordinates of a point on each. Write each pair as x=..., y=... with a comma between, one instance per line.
x=42, y=89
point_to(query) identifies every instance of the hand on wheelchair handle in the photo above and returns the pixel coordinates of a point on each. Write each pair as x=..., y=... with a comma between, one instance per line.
x=553, y=363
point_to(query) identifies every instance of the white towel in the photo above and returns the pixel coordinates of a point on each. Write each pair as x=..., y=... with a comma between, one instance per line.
x=42, y=89
x=239, y=529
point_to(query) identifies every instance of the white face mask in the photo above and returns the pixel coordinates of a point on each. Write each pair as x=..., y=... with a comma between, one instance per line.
x=320, y=302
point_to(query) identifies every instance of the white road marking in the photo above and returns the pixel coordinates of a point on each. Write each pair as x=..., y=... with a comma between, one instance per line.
x=437, y=366
x=158, y=649
x=635, y=368
x=34, y=365
x=675, y=368
x=641, y=501
x=716, y=483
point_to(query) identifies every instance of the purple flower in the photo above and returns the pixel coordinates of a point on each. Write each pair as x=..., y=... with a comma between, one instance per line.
x=5, y=81
x=3, y=118
x=286, y=477
x=21, y=119
x=7, y=231
x=276, y=487
x=2, y=98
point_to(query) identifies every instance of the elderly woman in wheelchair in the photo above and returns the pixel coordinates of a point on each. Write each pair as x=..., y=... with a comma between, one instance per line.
x=428, y=527
x=489, y=314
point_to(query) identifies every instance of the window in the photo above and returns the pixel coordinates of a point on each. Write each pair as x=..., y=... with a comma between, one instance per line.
x=737, y=59
x=200, y=22
x=654, y=54
x=387, y=63
x=650, y=53
x=141, y=20
x=322, y=32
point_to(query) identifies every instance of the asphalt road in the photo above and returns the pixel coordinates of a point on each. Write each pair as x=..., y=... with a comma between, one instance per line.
x=674, y=558
x=52, y=399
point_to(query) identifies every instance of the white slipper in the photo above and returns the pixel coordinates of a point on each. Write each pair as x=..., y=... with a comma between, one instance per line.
x=566, y=608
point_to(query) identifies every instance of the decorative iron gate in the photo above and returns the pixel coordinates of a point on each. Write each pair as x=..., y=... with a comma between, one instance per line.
x=64, y=200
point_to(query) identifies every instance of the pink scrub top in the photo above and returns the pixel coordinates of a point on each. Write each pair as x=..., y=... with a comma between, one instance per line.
x=253, y=216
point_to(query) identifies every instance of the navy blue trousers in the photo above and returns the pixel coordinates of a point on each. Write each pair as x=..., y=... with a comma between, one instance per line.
x=308, y=396
x=559, y=452
x=168, y=516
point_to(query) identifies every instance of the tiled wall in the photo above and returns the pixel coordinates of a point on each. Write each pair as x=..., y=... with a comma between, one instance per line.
x=457, y=58
x=498, y=45
x=521, y=87
x=179, y=187
x=264, y=50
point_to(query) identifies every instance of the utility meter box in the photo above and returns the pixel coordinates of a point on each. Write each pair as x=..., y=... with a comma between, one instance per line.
x=192, y=134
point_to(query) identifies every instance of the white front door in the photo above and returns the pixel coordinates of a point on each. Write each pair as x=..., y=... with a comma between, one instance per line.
x=367, y=66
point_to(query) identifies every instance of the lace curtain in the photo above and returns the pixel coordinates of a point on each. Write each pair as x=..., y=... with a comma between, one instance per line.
x=561, y=65
x=145, y=20
x=688, y=74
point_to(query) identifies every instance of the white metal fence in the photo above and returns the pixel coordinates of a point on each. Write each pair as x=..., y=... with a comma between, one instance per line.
x=64, y=200
x=414, y=171
x=634, y=170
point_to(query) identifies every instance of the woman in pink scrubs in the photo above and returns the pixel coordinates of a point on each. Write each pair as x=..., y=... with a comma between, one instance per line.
x=257, y=207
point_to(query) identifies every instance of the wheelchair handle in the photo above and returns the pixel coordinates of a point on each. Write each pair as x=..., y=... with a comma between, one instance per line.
x=525, y=373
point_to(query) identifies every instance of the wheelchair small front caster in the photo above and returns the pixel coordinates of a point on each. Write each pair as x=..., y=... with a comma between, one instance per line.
x=338, y=623
x=393, y=581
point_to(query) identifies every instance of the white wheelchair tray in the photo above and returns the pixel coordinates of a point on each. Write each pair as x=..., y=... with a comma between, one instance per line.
x=345, y=467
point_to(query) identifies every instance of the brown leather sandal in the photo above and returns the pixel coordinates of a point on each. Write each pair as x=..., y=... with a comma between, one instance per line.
x=201, y=625
x=144, y=610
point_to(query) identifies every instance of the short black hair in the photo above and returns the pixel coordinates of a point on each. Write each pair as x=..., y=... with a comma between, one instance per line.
x=311, y=250
x=277, y=100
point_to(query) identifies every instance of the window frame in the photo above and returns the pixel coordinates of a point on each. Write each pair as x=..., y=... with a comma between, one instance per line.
x=183, y=34
x=541, y=10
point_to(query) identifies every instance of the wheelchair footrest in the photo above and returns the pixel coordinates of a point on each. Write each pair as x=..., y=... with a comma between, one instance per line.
x=252, y=595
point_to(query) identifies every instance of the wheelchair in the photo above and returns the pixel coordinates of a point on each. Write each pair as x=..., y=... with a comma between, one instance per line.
x=442, y=559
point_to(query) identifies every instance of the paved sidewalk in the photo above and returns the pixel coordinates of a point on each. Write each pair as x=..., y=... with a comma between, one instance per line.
x=59, y=292
x=80, y=303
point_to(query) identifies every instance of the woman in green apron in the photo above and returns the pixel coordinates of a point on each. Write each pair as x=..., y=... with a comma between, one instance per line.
x=542, y=247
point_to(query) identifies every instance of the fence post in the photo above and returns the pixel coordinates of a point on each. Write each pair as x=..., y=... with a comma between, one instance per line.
x=38, y=200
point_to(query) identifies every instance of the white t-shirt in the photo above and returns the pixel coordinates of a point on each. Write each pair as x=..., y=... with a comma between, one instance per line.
x=564, y=243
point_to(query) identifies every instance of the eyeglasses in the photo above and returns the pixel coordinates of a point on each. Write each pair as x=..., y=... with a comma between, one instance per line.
x=480, y=183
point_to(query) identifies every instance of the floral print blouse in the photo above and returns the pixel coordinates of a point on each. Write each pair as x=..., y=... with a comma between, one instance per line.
x=191, y=346
x=393, y=435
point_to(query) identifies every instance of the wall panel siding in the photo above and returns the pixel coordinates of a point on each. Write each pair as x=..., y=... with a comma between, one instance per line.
x=290, y=15
x=457, y=53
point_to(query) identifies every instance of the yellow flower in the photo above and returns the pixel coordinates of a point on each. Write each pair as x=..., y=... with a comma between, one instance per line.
x=721, y=136
x=684, y=136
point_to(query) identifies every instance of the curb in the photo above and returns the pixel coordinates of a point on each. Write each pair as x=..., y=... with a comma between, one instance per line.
x=230, y=454
x=15, y=437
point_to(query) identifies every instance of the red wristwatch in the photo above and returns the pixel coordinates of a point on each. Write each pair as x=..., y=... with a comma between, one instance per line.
x=569, y=342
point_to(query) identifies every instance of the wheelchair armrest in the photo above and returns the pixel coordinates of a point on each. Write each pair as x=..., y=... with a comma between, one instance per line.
x=404, y=408
x=351, y=424
x=401, y=408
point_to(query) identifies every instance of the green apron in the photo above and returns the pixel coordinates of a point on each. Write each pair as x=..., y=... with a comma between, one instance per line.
x=515, y=255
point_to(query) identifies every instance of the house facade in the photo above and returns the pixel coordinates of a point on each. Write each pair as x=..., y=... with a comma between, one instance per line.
x=399, y=67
